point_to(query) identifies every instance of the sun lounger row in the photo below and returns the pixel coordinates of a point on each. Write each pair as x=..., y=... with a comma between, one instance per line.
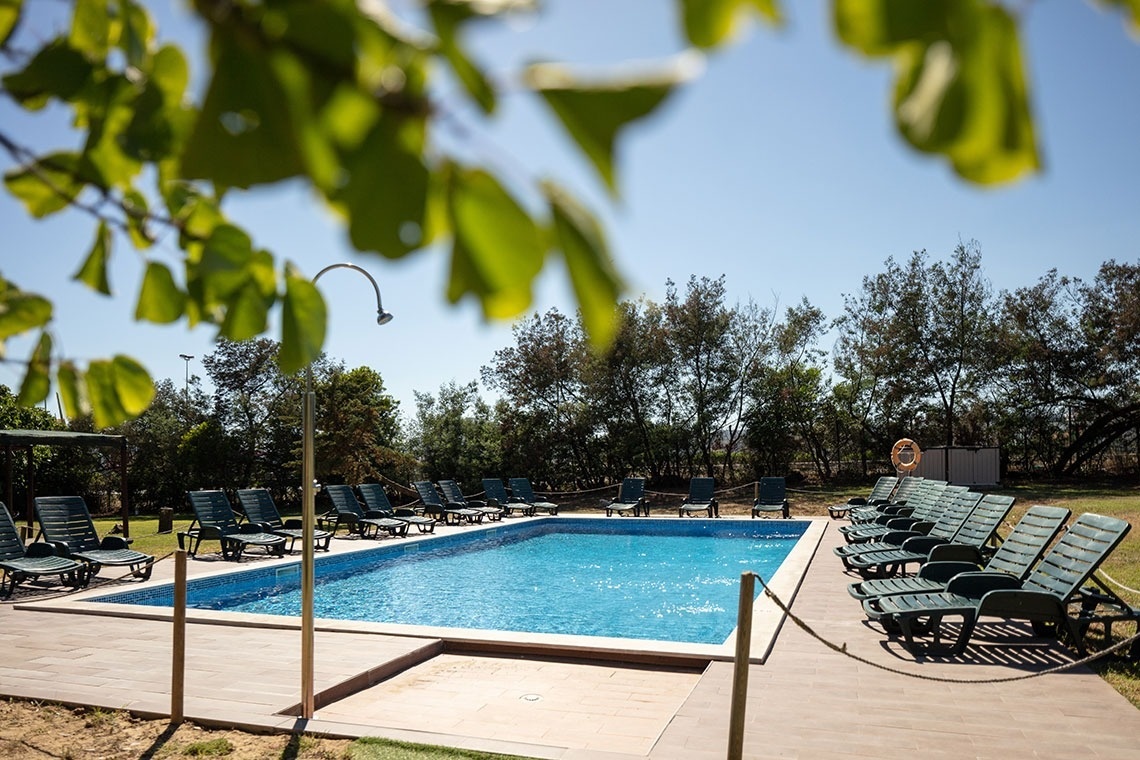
x=1040, y=572
x=67, y=546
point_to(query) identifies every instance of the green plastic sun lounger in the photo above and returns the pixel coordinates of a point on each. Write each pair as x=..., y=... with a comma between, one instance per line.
x=969, y=542
x=772, y=498
x=521, y=489
x=66, y=523
x=1042, y=598
x=36, y=560
x=958, y=505
x=214, y=520
x=880, y=492
x=448, y=513
x=260, y=510
x=497, y=496
x=366, y=524
x=376, y=503
x=454, y=497
x=895, y=504
x=701, y=499
x=1016, y=556
x=923, y=505
x=630, y=498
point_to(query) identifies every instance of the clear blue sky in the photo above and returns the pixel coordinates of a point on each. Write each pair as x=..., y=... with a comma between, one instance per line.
x=778, y=168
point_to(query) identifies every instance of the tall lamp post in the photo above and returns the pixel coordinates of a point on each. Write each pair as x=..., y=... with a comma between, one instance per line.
x=186, y=383
x=308, y=509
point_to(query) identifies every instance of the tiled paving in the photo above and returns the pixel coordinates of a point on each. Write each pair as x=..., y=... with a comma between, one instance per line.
x=806, y=701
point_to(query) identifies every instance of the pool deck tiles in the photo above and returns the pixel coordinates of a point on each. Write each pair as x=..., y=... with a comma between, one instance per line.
x=805, y=701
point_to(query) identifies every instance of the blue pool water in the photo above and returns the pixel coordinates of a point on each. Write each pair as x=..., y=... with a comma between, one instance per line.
x=674, y=580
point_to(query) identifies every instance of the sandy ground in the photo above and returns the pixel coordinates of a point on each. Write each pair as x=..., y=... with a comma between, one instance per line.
x=35, y=731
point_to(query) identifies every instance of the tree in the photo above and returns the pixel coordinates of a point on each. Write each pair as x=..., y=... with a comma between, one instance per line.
x=358, y=431
x=342, y=98
x=454, y=436
x=1071, y=366
x=699, y=336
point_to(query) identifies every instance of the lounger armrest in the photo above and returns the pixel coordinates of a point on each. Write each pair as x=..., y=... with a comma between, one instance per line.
x=207, y=533
x=250, y=528
x=899, y=536
x=114, y=542
x=957, y=553
x=475, y=503
x=897, y=523
x=294, y=523
x=898, y=510
x=943, y=571
x=376, y=514
x=857, y=501
x=923, y=544
x=1023, y=604
x=980, y=583
x=60, y=548
x=40, y=549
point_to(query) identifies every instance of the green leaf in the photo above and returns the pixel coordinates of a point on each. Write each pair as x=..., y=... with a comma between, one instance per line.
x=160, y=300
x=48, y=185
x=247, y=313
x=93, y=273
x=133, y=385
x=595, y=112
x=597, y=284
x=21, y=312
x=710, y=23
x=303, y=322
x=111, y=109
x=961, y=90
x=9, y=18
x=91, y=29
x=69, y=381
x=244, y=133
x=106, y=410
x=136, y=35
x=135, y=205
x=118, y=390
x=448, y=17
x=497, y=250
x=57, y=70
x=37, y=380
x=385, y=197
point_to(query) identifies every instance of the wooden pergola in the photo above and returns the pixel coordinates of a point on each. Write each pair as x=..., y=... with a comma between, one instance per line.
x=26, y=439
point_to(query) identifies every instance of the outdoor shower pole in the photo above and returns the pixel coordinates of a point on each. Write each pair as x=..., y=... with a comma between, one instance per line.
x=308, y=511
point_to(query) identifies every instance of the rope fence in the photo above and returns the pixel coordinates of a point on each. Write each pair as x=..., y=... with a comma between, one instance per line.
x=842, y=649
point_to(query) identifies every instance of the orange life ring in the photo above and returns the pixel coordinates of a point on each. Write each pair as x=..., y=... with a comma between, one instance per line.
x=901, y=445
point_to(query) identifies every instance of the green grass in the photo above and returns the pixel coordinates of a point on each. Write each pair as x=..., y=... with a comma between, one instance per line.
x=370, y=748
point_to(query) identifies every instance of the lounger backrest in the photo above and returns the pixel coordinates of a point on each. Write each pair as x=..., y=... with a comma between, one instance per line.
x=906, y=486
x=344, y=500
x=427, y=493
x=984, y=521
x=11, y=547
x=521, y=488
x=1076, y=555
x=632, y=489
x=213, y=508
x=65, y=519
x=1028, y=540
x=495, y=490
x=452, y=492
x=926, y=502
x=374, y=497
x=957, y=507
x=702, y=490
x=257, y=503
x=772, y=491
x=883, y=488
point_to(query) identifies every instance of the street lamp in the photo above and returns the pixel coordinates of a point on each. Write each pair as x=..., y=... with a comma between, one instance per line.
x=308, y=509
x=186, y=384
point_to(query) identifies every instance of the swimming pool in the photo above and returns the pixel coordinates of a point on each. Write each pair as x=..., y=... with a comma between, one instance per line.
x=657, y=579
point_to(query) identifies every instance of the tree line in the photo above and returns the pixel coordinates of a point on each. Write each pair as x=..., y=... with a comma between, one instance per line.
x=924, y=349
